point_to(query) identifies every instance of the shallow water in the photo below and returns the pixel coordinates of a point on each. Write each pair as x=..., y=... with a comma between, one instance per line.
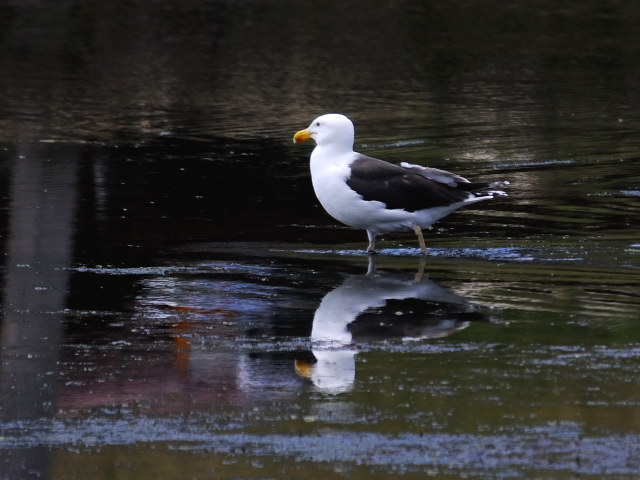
x=175, y=303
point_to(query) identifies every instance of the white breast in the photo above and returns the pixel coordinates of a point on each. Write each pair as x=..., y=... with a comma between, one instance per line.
x=329, y=174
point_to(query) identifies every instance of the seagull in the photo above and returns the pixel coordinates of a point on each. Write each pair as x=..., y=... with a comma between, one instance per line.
x=377, y=196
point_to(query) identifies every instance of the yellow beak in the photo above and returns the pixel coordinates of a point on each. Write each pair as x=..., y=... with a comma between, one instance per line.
x=301, y=136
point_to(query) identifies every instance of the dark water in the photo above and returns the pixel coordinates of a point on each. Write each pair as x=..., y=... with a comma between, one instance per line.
x=176, y=304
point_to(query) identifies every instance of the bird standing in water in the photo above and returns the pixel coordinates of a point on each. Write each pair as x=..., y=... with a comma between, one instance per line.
x=377, y=196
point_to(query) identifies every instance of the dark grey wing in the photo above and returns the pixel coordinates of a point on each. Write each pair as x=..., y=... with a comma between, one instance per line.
x=453, y=180
x=400, y=188
x=435, y=174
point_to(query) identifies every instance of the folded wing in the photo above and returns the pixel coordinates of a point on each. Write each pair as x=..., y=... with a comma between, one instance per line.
x=410, y=189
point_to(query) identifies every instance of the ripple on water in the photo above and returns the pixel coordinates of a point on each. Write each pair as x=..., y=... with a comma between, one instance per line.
x=517, y=254
x=558, y=447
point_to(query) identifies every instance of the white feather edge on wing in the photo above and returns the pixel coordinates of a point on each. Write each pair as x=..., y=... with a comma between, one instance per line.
x=451, y=179
x=435, y=174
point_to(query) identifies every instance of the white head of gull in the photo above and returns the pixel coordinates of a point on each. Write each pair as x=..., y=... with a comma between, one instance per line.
x=379, y=197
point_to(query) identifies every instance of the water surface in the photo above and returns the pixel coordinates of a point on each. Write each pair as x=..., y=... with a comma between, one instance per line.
x=176, y=304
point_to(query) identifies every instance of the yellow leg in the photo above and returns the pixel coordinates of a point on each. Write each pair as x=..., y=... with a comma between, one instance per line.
x=423, y=247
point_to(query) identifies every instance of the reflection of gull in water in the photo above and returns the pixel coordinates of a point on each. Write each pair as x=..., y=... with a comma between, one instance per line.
x=357, y=308
x=334, y=370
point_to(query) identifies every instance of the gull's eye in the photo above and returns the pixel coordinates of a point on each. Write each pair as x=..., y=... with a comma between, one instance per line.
x=317, y=124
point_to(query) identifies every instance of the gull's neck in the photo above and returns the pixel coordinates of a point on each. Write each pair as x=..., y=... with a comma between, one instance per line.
x=332, y=152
